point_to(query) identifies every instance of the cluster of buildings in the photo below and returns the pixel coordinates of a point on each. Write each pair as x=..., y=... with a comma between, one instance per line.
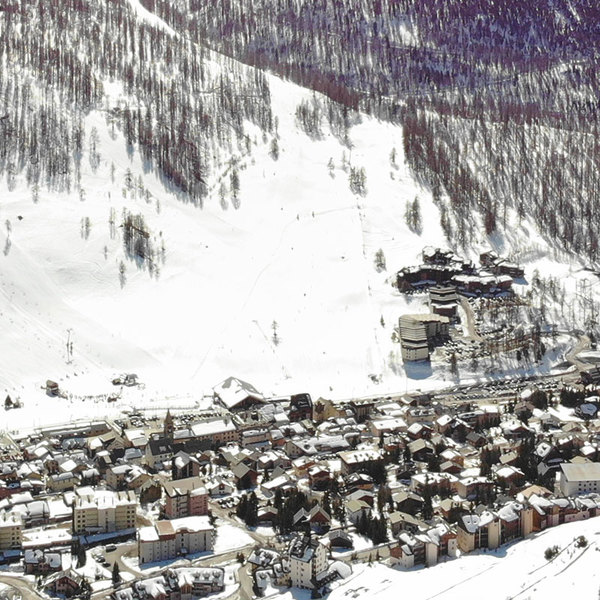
x=176, y=584
x=303, y=563
x=422, y=479
x=444, y=478
x=88, y=482
x=445, y=277
x=443, y=268
x=537, y=510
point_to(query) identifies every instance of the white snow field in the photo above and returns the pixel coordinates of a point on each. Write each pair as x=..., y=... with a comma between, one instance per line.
x=299, y=252
x=227, y=275
x=230, y=538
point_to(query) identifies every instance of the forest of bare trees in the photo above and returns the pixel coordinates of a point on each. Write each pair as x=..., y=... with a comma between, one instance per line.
x=181, y=116
x=499, y=101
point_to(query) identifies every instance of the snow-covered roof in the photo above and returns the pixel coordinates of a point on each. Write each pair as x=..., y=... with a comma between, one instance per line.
x=232, y=391
x=207, y=428
x=581, y=472
x=389, y=424
x=136, y=437
x=508, y=471
x=105, y=499
x=161, y=529
x=470, y=523
x=510, y=512
x=181, y=487
x=191, y=576
x=359, y=456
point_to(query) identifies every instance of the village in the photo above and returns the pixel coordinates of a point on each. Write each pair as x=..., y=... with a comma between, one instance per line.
x=258, y=494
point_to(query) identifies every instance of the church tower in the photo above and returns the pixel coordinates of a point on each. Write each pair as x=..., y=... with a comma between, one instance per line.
x=169, y=427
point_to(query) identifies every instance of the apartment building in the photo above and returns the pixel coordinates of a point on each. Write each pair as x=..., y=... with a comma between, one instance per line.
x=308, y=559
x=169, y=539
x=11, y=528
x=577, y=479
x=103, y=511
x=185, y=498
x=420, y=333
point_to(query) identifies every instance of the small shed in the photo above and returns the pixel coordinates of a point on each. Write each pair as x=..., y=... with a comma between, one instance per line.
x=52, y=388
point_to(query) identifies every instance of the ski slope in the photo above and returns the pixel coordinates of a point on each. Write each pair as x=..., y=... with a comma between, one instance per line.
x=296, y=257
x=299, y=251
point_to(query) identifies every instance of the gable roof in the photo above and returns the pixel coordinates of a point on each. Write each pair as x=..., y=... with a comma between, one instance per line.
x=182, y=487
x=581, y=471
x=232, y=391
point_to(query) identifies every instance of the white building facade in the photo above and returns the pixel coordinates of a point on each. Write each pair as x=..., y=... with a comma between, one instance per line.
x=308, y=560
x=577, y=479
x=169, y=539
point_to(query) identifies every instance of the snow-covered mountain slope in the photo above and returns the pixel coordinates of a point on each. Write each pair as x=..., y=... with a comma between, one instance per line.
x=516, y=571
x=275, y=283
x=299, y=251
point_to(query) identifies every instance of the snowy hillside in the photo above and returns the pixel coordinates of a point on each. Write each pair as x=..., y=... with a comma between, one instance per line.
x=298, y=251
x=514, y=571
x=270, y=278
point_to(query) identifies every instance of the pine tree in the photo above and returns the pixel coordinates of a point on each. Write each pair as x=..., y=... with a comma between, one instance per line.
x=383, y=495
x=539, y=399
x=240, y=509
x=81, y=556
x=362, y=525
x=293, y=503
x=427, y=510
x=274, y=151
x=454, y=365
x=412, y=216
x=488, y=458
x=327, y=503
x=116, y=574
x=234, y=180
x=416, y=216
x=252, y=510
x=380, y=531
x=85, y=589
x=380, y=264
